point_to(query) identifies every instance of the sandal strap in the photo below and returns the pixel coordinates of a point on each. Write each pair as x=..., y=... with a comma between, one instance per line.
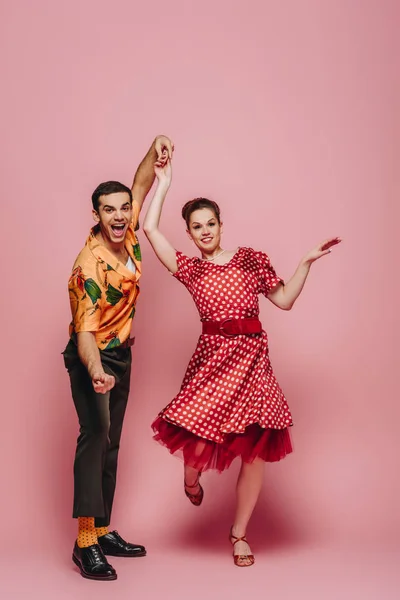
x=240, y=558
x=189, y=495
x=238, y=539
x=194, y=485
x=196, y=496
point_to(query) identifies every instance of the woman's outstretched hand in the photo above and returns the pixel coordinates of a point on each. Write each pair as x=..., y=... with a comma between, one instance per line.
x=321, y=250
x=164, y=172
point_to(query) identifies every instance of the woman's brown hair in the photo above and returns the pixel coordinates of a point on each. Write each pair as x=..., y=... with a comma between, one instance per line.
x=197, y=204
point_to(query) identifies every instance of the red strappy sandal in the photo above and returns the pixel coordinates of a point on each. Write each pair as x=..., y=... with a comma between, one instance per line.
x=241, y=557
x=195, y=499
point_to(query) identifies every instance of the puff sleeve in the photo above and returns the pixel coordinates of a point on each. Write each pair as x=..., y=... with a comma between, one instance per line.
x=267, y=277
x=186, y=268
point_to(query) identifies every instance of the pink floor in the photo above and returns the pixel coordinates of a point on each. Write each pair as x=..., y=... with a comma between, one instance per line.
x=175, y=572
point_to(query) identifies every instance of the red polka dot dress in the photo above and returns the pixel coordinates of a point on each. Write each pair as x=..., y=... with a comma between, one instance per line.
x=230, y=403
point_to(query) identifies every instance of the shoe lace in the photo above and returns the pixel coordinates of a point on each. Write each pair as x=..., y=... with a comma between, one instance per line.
x=97, y=555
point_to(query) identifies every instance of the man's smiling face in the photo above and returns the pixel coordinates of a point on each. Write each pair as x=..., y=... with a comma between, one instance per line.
x=114, y=216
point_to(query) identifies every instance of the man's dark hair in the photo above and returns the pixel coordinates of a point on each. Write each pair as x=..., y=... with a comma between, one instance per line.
x=198, y=203
x=109, y=187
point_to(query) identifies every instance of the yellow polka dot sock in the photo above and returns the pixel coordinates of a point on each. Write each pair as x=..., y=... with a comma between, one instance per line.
x=86, y=532
x=101, y=531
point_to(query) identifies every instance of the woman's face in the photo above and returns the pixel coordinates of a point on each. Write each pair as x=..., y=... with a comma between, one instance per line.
x=204, y=230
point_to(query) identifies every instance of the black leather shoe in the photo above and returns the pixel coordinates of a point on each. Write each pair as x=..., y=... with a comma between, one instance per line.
x=92, y=563
x=113, y=545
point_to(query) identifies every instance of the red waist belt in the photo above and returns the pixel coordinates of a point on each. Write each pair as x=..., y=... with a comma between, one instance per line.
x=231, y=327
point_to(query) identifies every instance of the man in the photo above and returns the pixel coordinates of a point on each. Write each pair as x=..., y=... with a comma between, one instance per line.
x=103, y=290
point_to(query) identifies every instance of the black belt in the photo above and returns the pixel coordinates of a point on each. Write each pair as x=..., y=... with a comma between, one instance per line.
x=127, y=344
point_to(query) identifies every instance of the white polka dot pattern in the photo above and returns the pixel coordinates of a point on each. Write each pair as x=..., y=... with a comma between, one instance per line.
x=229, y=383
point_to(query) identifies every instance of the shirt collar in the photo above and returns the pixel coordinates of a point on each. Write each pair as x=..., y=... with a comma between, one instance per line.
x=109, y=261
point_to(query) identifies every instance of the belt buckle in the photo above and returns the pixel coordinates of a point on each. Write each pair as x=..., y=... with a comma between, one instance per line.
x=222, y=330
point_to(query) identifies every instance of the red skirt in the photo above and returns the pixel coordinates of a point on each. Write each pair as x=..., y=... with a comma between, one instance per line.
x=256, y=442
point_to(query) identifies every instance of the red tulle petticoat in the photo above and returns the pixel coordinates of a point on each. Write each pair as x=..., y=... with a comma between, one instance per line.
x=268, y=444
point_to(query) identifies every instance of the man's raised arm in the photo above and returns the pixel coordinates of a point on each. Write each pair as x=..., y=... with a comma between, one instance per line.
x=160, y=151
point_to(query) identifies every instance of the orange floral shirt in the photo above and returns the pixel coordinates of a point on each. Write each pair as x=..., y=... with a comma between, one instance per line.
x=103, y=291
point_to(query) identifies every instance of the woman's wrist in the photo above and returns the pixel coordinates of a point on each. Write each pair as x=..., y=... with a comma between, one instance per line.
x=163, y=185
x=305, y=264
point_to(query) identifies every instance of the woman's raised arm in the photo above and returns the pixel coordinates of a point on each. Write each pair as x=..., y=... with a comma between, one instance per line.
x=162, y=247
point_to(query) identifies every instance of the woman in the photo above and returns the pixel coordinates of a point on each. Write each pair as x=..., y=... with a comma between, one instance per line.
x=230, y=404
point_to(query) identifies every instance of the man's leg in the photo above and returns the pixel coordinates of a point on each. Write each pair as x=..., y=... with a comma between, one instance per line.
x=118, y=402
x=112, y=543
x=93, y=441
x=94, y=420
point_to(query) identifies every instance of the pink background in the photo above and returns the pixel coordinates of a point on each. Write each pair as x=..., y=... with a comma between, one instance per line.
x=286, y=113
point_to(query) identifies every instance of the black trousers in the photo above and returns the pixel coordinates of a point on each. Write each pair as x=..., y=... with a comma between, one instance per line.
x=100, y=419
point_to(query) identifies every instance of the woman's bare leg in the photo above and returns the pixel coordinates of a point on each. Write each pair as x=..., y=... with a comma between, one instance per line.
x=248, y=489
x=191, y=479
x=191, y=474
